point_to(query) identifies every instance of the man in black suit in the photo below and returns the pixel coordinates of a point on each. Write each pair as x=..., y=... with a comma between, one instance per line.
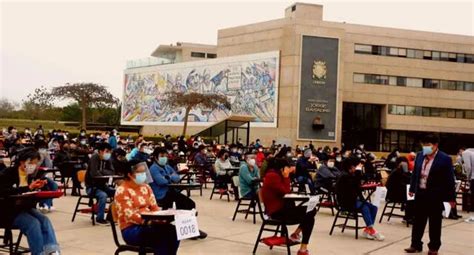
x=432, y=183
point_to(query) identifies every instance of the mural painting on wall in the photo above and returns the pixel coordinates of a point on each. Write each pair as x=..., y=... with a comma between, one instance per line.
x=250, y=82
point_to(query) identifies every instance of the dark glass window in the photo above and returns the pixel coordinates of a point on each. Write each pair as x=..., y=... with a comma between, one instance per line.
x=211, y=55
x=401, y=81
x=198, y=54
x=460, y=58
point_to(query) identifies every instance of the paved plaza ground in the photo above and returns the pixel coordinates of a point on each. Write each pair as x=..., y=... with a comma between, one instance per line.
x=238, y=237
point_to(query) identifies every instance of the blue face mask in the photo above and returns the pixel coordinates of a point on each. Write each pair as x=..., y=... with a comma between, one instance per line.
x=107, y=156
x=140, y=178
x=162, y=160
x=427, y=150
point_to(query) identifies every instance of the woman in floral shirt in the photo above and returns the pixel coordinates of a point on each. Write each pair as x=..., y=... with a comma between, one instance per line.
x=134, y=197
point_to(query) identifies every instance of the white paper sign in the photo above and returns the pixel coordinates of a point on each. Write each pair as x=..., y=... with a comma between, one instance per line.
x=447, y=209
x=313, y=201
x=408, y=194
x=379, y=195
x=186, y=226
x=458, y=185
x=111, y=181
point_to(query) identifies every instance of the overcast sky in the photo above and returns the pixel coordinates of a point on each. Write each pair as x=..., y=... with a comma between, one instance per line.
x=51, y=43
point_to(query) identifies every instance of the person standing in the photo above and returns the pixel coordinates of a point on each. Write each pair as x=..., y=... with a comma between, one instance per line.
x=432, y=183
x=468, y=159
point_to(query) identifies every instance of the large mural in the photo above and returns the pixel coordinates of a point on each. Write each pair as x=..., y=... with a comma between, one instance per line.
x=250, y=82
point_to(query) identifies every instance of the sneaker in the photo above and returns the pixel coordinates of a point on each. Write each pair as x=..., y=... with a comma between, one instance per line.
x=469, y=220
x=102, y=222
x=367, y=235
x=377, y=236
x=305, y=252
x=43, y=210
x=295, y=238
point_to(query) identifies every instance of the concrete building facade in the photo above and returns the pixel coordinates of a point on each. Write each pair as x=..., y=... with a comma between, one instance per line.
x=393, y=84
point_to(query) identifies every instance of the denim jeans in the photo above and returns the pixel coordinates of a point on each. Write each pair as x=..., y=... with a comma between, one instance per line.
x=306, y=180
x=101, y=194
x=161, y=237
x=51, y=186
x=369, y=212
x=38, y=230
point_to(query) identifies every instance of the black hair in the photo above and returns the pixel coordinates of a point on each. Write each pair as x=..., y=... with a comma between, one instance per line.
x=25, y=154
x=430, y=138
x=221, y=153
x=119, y=152
x=400, y=160
x=277, y=164
x=350, y=162
x=201, y=147
x=103, y=146
x=158, y=151
x=128, y=168
x=41, y=144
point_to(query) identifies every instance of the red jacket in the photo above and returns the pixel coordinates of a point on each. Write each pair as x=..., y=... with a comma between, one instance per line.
x=275, y=186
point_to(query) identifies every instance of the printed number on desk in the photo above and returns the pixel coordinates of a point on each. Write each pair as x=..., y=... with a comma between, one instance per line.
x=186, y=226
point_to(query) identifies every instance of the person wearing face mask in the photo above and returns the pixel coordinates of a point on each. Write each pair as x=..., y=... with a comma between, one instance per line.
x=260, y=157
x=163, y=175
x=45, y=161
x=234, y=155
x=397, y=187
x=113, y=139
x=326, y=176
x=249, y=176
x=303, y=166
x=370, y=172
x=100, y=165
x=132, y=198
x=276, y=185
x=349, y=197
x=34, y=225
x=143, y=153
x=432, y=183
x=119, y=161
x=391, y=159
x=222, y=163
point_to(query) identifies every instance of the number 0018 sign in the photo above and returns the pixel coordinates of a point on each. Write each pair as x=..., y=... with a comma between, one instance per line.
x=186, y=226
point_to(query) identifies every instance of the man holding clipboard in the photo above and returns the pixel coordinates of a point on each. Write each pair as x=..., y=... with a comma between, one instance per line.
x=432, y=183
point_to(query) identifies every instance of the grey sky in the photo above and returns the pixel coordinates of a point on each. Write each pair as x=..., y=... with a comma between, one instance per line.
x=51, y=43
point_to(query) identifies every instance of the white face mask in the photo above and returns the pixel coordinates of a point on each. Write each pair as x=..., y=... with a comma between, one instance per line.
x=251, y=162
x=30, y=168
x=339, y=159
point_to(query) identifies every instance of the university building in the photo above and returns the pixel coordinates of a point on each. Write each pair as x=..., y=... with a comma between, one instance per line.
x=332, y=82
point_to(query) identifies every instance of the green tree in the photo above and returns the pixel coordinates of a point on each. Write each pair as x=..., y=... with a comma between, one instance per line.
x=191, y=100
x=86, y=95
x=38, y=103
x=7, y=107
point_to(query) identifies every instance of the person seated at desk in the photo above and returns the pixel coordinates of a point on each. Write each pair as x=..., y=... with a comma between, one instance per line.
x=222, y=163
x=100, y=165
x=119, y=161
x=303, y=165
x=235, y=156
x=249, y=176
x=142, y=154
x=396, y=186
x=163, y=175
x=37, y=227
x=134, y=197
x=200, y=159
x=276, y=185
x=46, y=205
x=327, y=175
x=349, y=197
x=62, y=161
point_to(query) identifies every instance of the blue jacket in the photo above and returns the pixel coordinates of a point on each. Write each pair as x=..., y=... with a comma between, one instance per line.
x=246, y=179
x=113, y=142
x=440, y=183
x=162, y=176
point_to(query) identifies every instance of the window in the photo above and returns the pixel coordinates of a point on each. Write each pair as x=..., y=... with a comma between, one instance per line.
x=362, y=48
x=382, y=79
x=401, y=81
x=426, y=54
x=469, y=58
x=469, y=86
x=444, y=56
x=359, y=78
x=459, y=85
x=447, y=85
x=376, y=50
x=451, y=113
x=198, y=54
x=211, y=55
x=430, y=84
x=434, y=112
x=402, y=52
x=410, y=53
x=384, y=50
x=436, y=55
x=419, y=54
x=443, y=113
x=392, y=109
x=414, y=82
x=469, y=114
x=418, y=110
x=392, y=80
x=459, y=114
x=460, y=58
x=400, y=110
x=410, y=110
x=393, y=51
x=452, y=57
x=370, y=79
x=426, y=111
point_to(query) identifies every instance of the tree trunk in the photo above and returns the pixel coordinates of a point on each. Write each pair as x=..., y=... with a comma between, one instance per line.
x=84, y=118
x=186, y=120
